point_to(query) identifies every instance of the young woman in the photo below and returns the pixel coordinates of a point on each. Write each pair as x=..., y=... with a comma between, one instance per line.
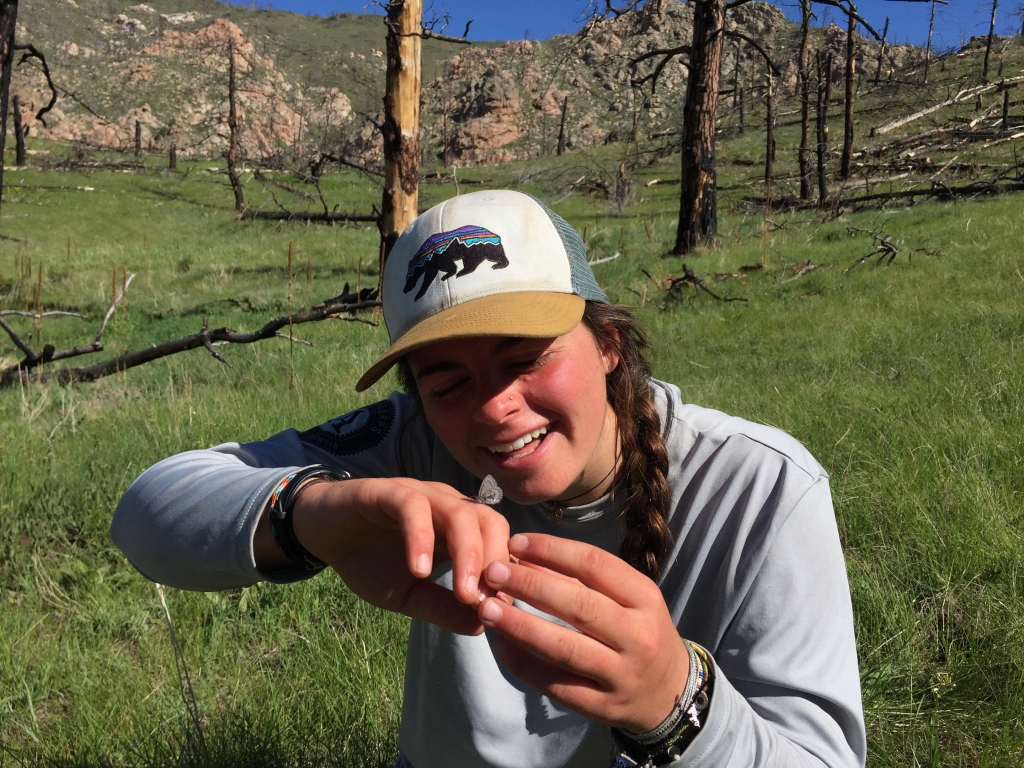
x=661, y=583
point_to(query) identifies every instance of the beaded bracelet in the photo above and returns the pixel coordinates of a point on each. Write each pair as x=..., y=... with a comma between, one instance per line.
x=281, y=506
x=665, y=744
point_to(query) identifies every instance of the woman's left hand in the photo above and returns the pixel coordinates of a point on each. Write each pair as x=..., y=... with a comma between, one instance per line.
x=627, y=665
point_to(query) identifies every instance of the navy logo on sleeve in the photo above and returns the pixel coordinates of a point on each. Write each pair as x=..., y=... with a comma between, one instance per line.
x=355, y=432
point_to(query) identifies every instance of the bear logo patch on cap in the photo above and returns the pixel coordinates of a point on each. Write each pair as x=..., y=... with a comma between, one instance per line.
x=471, y=245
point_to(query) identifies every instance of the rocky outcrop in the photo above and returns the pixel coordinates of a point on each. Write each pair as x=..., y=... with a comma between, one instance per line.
x=169, y=72
x=178, y=80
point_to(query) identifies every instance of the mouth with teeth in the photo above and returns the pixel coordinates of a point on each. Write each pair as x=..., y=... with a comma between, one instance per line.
x=518, y=443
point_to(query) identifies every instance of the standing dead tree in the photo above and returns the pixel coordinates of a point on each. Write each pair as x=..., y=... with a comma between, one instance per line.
x=232, y=154
x=698, y=215
x=988, y=42
x=561, y=126
x=401, y=128
x=804, y=76
x=19, y=133
x=853, y=19
x=8, y=21
x=881, y=51
x=698, y=210
x=821, y=123
x=769, y=150
x=931, y=30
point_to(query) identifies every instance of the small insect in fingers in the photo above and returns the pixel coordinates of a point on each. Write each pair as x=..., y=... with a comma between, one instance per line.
x=489, y=492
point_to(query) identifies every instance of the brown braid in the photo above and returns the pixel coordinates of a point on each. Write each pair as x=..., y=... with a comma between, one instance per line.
x=644, y=472
x=643, y=476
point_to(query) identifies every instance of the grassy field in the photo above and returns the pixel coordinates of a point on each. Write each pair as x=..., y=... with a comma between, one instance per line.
x=906, y=382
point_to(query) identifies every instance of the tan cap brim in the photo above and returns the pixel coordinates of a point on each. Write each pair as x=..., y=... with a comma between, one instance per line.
x=530, y=314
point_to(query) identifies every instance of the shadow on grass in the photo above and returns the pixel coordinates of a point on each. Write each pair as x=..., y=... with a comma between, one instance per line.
x=234, y=740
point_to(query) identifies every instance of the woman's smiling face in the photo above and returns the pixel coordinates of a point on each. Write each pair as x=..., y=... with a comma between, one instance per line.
x=532, y=412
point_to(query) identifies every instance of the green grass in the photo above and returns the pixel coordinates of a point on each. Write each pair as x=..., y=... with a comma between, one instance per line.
x=907, y=383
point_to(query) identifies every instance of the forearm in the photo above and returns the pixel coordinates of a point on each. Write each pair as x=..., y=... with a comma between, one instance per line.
x=189, y=521
x=736, y=735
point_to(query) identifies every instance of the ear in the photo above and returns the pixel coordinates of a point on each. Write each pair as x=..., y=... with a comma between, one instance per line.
x=609, y=349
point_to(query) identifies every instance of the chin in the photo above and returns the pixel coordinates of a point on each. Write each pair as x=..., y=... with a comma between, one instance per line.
x=535, y=491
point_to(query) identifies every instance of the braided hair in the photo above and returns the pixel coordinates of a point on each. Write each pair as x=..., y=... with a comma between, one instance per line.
x=643, y=474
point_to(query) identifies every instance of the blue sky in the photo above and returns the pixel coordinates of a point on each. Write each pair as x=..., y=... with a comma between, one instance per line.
x=511, y=20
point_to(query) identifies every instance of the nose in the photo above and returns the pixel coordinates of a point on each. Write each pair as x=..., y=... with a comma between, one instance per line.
x=497, y=404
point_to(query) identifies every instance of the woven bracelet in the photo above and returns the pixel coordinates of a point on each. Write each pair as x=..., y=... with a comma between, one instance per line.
x=665, y=744
x=281, y=506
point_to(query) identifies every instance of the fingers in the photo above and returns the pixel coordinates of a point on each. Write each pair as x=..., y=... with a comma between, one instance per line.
x=586, y=609
x=414, y=521
x=461, y=530
x=563, y=648
x=572, y=690
x=595, y=568
x=433, y=603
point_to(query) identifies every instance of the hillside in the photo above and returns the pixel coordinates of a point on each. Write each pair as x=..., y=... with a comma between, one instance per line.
x=164, y=63
x=310, y=82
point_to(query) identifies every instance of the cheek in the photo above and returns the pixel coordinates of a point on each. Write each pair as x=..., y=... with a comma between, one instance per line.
x=450, y=423
x=578, y=392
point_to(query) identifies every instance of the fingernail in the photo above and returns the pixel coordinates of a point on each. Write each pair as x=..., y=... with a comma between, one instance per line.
x=423, y=565
x=472, y=584
x=518, y=544
x=480, y=596
x=497, y=573
x=490, y=612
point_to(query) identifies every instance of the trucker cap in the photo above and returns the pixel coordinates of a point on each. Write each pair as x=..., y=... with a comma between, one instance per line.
x=492, y=263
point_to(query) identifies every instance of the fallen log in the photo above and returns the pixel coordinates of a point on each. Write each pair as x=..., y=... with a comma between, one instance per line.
x=936, y=189
x=311, y=217
x=341, y=308
x=963, y=95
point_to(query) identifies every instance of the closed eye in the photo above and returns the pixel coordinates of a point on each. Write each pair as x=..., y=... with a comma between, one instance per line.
x=530, y=363
x=449, y=388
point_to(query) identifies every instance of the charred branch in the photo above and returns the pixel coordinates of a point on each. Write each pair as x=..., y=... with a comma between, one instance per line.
x=667, y=55
x=340, y=307
x=757, y=47
x=49, y=353
x=325, y=217
x=31, y=52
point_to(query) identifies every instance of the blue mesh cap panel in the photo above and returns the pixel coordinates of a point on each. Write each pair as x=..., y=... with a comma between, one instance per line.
x=584, y=284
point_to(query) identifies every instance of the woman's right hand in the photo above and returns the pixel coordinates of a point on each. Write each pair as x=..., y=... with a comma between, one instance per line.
x=384, y=536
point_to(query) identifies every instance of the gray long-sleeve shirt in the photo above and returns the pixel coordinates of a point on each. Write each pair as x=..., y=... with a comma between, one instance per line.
x=755, y=575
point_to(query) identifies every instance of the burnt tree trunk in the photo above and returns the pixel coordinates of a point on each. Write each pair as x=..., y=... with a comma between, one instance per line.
x=824, y=96
x=928, y=48
x=172, y=158
x=988, y=42
x=561, y=126
x=19, y=133
x=444, y=123
x=881, y=51
x=401, y=121
x=804, y=74
x=698, y=215
x=851, y=92
x=138, y=139
x=1005, y=122
x=769, y=148
x=236, y=185
x=8, y=19
x=739, y=89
